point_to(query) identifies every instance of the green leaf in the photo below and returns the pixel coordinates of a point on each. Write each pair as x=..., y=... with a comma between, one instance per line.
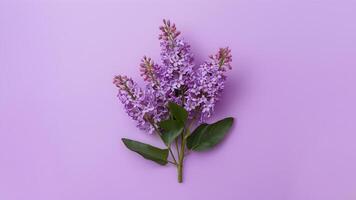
x=147, y=151
x=172, y=129
x=194, y=139
x=178, y=112
x=206, y=136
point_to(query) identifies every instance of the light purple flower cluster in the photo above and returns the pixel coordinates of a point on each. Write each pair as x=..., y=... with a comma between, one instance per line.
x=137, y=104
x=208, y=84
x=177, y=80
x=177, y=69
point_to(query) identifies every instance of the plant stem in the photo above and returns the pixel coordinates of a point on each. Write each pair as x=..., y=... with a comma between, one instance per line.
x=180, y=173
x=177, y=147
x=180, y=164
x=181, y=157
x=172, y=162
x=170, y=150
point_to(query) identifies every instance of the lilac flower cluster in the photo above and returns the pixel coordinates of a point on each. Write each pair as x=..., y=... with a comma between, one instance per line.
x=134, y=101
x=177, y=80
x=208, y=84
x=177, y=69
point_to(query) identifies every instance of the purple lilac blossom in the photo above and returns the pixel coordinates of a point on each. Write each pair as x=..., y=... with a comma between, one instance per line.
x=151, y=74
x=208, y=83
x=177, y=69
x=138, y=104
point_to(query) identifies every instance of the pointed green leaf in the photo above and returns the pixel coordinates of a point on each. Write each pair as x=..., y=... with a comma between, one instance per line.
x=207, y=136
x=194, y=139
x=178, y=112
x=171, y=130
x=147, y=151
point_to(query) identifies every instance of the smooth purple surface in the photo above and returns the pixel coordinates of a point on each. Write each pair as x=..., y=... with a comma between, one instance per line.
x=292, y=91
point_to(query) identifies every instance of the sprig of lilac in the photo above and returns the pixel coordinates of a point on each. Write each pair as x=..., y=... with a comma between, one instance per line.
x=176, y=92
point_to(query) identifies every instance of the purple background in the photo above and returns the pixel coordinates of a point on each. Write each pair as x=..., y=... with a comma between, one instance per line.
x=292, y=91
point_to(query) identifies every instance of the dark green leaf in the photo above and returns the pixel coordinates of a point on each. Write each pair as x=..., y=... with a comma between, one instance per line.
x=194, y=139
x=147, y=151
x=206, y=136
x=171, y=130
x=178, y=112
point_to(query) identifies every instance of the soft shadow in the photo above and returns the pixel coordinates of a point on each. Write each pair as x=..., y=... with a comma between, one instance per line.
x=232, y=100
x=235, y=91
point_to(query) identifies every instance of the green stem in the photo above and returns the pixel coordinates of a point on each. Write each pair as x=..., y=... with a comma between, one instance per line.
x=170, y=150
x=172, y=163
x=181, y=157
x=180, y=164
x=180, y=173
x=177, y=147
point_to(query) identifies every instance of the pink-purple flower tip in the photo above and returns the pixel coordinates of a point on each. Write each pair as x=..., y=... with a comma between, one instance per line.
x=169, y=31
x=223, y=57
